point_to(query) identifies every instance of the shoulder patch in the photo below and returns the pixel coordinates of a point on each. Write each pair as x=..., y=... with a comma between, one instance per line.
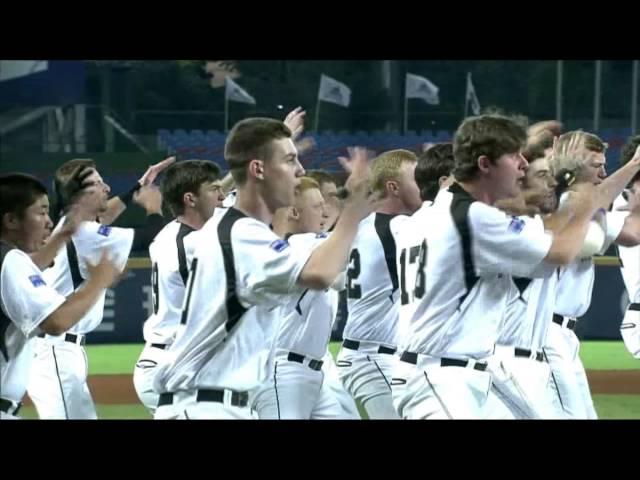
x=104, y=230
x=36, y=280
x=279, y=245
x=516, y=225
x=322, y=235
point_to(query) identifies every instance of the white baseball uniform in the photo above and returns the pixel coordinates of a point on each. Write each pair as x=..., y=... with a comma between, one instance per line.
x=240, y=272
x=469, y=253
x=171, y=253
x=58, y=381
x=25, y=302
x=630, y=258
x=366, y=359
x=562, y=347
x=294, y=388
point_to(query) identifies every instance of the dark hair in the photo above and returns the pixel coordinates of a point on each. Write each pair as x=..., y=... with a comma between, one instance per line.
x=186, y=176
x=433, y=164
x=64, y=188
x=489, y=135
x=627, y=152
x=18, y=192
x=251, y=139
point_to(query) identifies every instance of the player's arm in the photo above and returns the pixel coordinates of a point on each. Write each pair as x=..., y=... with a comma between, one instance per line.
x=78, y=303
x=613, y=185
x=150, y=199
x=119, y=203
x=329, y=259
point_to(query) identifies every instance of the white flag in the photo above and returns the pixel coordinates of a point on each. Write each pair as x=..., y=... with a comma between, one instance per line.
x=236, y=93
x=10, y=69
x=472, y=97
x=420, y=87
x=334, y=91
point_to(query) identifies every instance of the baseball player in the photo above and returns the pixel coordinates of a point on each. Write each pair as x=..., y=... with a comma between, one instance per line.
x=294, y=389
x=370, y=335
x=575, y=282
x=58, y=382
x=630, y=256
x=28, y=305
x=192, y=190
x=222, y=346
x=469, y=252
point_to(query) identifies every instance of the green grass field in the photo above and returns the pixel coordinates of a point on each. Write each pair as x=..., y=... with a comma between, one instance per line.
x=596, y=355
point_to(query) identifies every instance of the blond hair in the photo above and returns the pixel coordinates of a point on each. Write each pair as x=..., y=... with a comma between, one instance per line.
x=569, y=149
x=387, y=167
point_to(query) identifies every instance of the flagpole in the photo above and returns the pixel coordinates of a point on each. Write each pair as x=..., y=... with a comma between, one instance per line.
x=559, y=71
x=634, y=98
x=596, y=96
x=226, y=114
x=317, y=113
x=466, y=98
x=406, y=113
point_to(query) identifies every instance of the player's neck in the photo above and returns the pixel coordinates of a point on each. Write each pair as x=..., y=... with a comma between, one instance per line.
x=191, y=219
x=479, y=190
x=253, y=205
x=392, y=206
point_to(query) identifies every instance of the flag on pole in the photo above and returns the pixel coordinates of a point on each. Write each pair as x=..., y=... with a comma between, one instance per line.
x=420, y=87
x=471, y=96
x=236, y=93
x=10, y=69
x=333, y=91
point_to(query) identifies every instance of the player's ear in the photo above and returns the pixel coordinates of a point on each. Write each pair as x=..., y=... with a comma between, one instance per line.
x=10, y=221
x=484, y=163
x=392, y=188
x=256, y=169
x=294, y=214
x=189, y=199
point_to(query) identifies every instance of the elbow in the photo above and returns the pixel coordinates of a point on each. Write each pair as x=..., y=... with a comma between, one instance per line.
x=560, y=258
x=315, y=280
x=52, y=326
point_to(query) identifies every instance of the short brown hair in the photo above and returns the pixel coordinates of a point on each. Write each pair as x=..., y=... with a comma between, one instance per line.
x=251, y=139
x=321, y=176
x=386, y=167
x=61, y=181
x=433, y=164
x=186, y=176
x=488, y=135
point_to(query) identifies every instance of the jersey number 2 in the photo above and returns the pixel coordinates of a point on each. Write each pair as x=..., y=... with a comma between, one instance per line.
x=353, y=289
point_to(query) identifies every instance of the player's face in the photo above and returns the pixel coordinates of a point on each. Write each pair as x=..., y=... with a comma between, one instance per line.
x=209, y=197
x=593, y=170
x=408, y=188
x=35, y=226
x=329, y=192
x=98, y=193
x=539, y=178
x=282, y=174
x=312, y=211
x=507, y=174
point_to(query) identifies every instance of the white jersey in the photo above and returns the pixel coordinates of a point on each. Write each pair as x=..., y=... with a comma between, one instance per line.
x=25, y=302
x=529, y=311
x=171, y=253
x=575, y=282
x=70, y=264
x=240, y=274
x=463, y=282
x=308, y=318
x=630, y=258
x=408, y=236
x=373, y=293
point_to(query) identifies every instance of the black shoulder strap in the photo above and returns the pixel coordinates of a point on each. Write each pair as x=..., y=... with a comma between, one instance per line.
x=74, y=268
x=235, y=310
x=4, y=319
x=382, y=222
x=182, y=256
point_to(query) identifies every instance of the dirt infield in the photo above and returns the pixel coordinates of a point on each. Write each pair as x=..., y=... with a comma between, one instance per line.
x=118, y=389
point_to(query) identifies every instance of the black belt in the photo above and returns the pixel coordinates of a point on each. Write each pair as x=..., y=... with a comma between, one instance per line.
x=161, y=346
x=634, y=307
x=6, y=406
x=412, y=357
x=313, y=364
x=355, y=345
x=238, y=399
x=70, y=337
x=524, y=352
x=559, y=319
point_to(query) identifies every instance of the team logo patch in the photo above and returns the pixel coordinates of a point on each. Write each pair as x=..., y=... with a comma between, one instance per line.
x=279, y=245
x=322, y=235
x=104, y=230
x=36, y=280
x=516, y=225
